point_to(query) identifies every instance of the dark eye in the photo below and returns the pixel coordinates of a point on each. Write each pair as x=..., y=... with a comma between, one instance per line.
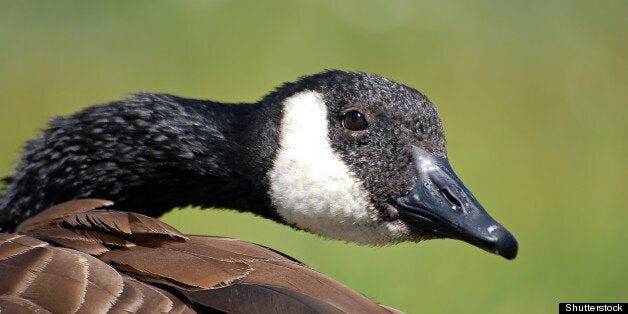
x=355, y=121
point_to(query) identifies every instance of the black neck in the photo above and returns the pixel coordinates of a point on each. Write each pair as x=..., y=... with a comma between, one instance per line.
x=149, y=154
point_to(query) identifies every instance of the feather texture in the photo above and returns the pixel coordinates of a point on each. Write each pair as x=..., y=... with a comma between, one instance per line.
x=80, y=257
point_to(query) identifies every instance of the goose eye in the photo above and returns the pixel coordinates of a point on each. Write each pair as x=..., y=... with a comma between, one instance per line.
x=355, y=121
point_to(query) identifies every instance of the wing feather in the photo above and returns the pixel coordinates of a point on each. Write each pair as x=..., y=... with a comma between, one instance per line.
x=82, y=257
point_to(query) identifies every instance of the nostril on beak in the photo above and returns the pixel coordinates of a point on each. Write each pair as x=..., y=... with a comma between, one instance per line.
x=455, y=203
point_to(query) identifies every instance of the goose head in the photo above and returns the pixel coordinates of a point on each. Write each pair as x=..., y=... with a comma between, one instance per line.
x=363, y=159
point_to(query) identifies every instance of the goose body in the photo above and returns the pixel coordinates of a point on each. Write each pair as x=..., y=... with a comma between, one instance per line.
x=347, y=156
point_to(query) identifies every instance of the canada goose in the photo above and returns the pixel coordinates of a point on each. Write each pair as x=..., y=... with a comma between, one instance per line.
x=348, y=156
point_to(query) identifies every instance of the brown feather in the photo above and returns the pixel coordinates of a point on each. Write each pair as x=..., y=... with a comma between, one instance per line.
x=15, y=304
x=79, y=258
x=285, y=287
x=176, y=267
x=140, y=297
x=63, y=209
x=90, y=242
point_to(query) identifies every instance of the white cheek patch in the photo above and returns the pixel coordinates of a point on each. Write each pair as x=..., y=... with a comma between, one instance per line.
x=313, y=188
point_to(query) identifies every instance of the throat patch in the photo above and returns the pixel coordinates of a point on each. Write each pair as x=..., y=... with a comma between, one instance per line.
x=311, y=187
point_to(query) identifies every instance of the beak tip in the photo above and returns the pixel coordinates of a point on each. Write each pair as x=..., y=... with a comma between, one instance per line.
x=508, y=253
x=506, y=244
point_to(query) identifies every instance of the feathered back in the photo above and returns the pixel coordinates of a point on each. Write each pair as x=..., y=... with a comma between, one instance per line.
x=81, y=257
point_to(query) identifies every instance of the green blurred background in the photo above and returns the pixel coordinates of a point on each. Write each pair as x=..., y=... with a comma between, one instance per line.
x=533, y=94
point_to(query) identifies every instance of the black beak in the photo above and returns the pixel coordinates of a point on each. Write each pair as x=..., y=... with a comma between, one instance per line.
x=440, y=206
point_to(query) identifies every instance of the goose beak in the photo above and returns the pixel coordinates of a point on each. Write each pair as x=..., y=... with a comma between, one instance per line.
x=440, y=206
